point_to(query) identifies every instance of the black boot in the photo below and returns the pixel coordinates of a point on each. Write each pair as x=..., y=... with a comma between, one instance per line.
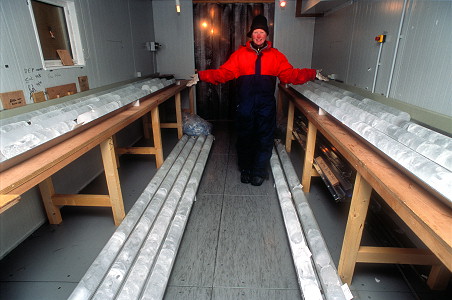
x=245, y=176
x=257, y=180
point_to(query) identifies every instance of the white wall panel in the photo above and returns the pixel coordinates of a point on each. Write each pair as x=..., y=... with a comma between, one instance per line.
x=294, y=36
x=332, y=42
x=175, y=33
x=343, y=44
x=110, y=21
x=423, y=74
x=141, y=19
x=112, y=34
x=371, y=19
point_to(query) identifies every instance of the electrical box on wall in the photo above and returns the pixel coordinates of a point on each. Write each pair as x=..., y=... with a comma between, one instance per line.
x=152, y=46
x=380, y=38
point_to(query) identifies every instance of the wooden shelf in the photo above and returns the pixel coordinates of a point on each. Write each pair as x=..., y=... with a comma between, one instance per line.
x=426, y=215
x=39, y=168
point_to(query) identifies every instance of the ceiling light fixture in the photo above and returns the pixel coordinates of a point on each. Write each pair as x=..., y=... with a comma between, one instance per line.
x=178, y=6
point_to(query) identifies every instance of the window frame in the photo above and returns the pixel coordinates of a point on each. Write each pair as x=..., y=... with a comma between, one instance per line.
x=73, y=32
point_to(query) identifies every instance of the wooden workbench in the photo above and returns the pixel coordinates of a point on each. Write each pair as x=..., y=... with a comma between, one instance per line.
x=38, y=169
x=425, y=215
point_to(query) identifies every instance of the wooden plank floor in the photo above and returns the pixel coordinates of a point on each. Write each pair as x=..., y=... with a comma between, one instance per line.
x=234, y=247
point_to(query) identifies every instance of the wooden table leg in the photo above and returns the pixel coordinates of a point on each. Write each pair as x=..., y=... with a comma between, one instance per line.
x=47, y=191
x=178, y=115
x=157, y=136
x=309, y=158
x=354, y=229
x=146, y=127
x=438, y=279
x=114, y=186
x=115, y=144
x=290, y=117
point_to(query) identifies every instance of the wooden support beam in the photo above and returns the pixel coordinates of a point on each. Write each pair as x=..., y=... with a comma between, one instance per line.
x=439, y=276
x=6, y=201
x=116, y=153
x=168, y=125
x=390, y=255
x=111, y=174
x=81, y=200
x=178, y=115
x=438, y=279
x=309, y=158
x=314, y=173
x=354, y=229
x=47, y=191
x=136, y=150
x=290, y=118
x=146, y=127
x=155, y=118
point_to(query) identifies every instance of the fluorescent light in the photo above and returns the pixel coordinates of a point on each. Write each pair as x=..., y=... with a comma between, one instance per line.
x=178, y=6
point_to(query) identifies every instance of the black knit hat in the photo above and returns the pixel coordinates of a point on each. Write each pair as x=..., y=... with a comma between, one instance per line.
x=259, y=22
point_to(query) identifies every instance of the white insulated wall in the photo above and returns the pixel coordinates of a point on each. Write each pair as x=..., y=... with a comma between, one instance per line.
x=113, y=34
x=294, y=36
x=175, y=33
x=344, y=44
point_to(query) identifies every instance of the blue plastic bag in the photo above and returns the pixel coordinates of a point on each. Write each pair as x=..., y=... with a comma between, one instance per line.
x=194, y=125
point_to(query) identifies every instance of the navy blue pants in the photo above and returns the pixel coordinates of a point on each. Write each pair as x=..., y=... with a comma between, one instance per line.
x=256, y=123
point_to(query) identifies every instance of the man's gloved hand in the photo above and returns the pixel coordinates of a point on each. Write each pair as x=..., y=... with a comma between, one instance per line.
x=194, y=80
x=319, y=76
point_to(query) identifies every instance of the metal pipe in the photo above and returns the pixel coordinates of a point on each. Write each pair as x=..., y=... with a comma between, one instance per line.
x=399, y=36
x=326, y=270
x=307, y=279
x=136, y=258
x=377, y=66
x=95, y=273
x=158, y=280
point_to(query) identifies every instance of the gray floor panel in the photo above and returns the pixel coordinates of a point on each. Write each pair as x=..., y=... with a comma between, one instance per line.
x=383, y=295
x=253, y=250
x=195, y=260
x=386, y=277
x=223, y=143
x=36, y=290
x=187, y=293
x=60, y=252
x=213, y=178
x=255, y=294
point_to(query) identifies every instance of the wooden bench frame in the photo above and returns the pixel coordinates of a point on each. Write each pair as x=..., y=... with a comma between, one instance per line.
x=38, y=169
x=425, y=215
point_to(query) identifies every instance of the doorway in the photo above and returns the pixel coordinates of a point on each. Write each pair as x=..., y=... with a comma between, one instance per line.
x=219, y=29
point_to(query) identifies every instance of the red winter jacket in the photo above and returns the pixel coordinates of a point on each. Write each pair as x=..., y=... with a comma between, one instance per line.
x=244, y=62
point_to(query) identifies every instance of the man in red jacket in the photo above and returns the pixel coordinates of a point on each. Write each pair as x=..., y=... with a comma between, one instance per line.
x=256, y=67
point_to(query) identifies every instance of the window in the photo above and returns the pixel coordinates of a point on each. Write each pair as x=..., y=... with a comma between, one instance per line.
x=56, y=28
